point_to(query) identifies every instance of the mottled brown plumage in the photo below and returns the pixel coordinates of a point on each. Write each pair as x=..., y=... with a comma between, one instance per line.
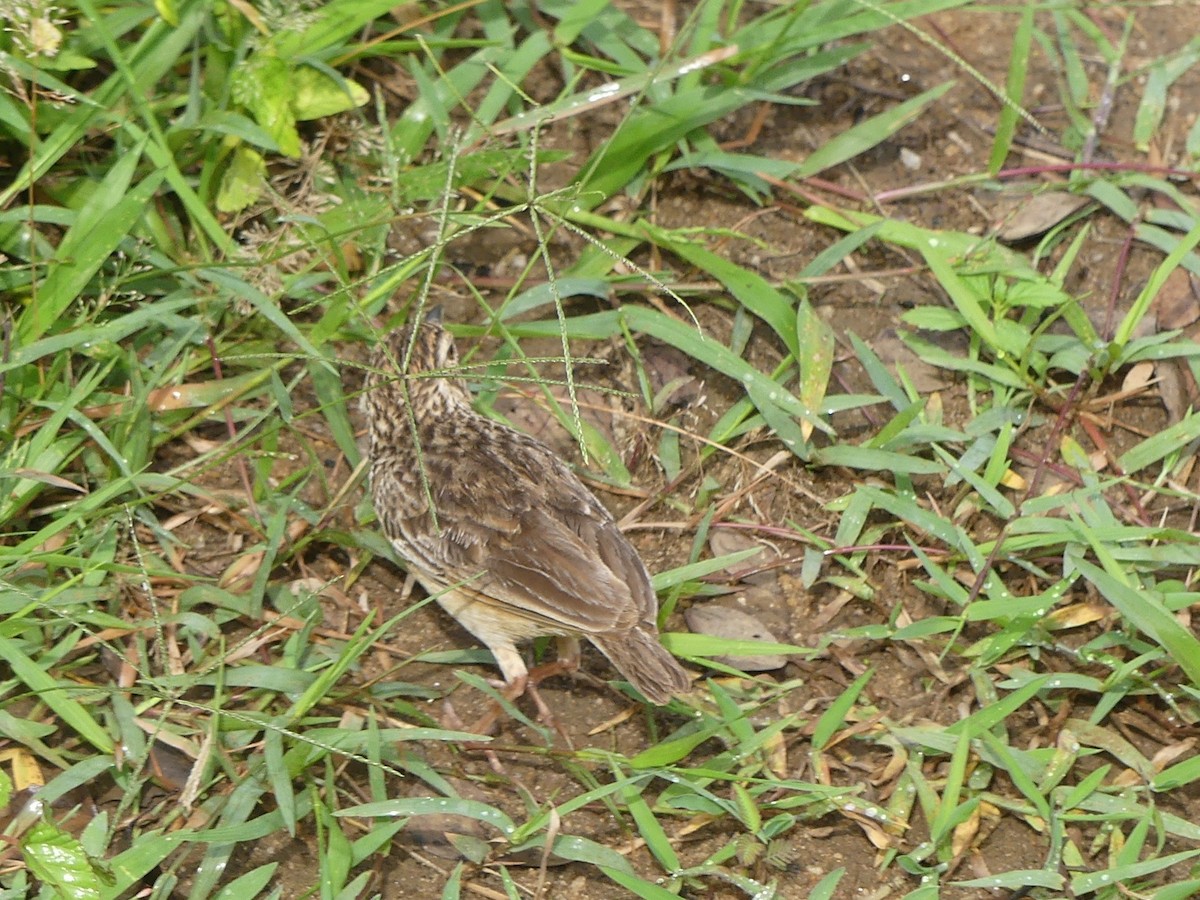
x=498, y=528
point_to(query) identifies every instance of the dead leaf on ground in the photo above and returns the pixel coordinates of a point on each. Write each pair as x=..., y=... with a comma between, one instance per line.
x=448, y=836
x=733, y=624
x=724, y=541
x=451, y=836
x=1038, y=214
x=671, y=380
x=1177, y=306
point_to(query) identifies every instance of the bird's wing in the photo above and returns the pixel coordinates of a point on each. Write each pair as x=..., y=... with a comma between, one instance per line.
x=541, y=547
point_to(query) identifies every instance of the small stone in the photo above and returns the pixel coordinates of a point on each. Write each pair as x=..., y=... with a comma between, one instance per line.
x=910, y=159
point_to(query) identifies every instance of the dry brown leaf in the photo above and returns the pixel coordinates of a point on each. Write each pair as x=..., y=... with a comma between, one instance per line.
x=241, y=571
x=183, y=396
x=876, y=835
x=1076, y=614
x=733, y=624
x=724, y=541
x=1128, y=778
x=964, y=833
x=1138, y=376
x=26, y=772
x=1168, y=754
x=623, y=716
x=1176, y=388
x=776, y=755
x=247, y=649
x=50, y=479
x=1176, y=304
x=154, y=728
x=1039, y=214
x=829, y=610
x=894, y=766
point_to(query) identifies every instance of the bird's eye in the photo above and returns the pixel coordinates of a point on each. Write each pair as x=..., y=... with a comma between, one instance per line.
x=447, y=354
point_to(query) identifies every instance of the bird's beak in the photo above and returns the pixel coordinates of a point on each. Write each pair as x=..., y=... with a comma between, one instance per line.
x=434, y=315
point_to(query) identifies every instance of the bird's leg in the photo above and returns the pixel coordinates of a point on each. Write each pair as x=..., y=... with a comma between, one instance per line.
x=484, y=725
x=518, y=681
x=567, y=663
x=514, y=685
x=488, y=722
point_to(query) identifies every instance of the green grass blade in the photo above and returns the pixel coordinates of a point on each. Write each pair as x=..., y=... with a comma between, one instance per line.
x=56, y=695
x=1014, y=89
x=871, y=133
x=1145, y=611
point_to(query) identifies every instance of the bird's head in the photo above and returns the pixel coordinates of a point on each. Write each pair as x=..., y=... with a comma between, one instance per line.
x=414, y=368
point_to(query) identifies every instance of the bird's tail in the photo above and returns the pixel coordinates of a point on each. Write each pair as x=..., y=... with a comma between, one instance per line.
x=645, y=662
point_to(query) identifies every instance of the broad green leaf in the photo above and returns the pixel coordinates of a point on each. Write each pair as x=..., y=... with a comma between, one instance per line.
x=338, y=20
x=687, y=644
x=168, y=10
x=1163, y=73
x=1182, y=247
x=1145, y=611
x=989, y=716
x=1172, y=439
x=638, y=887
x=650, y=828
x=59, y=862
x=751, y=290
x=581, y=849
x=692, y=571
x=1015, y=879
x=249, y=885
x=874, y=460
x=263, y=85
x=1088, y=882
x=835, y=717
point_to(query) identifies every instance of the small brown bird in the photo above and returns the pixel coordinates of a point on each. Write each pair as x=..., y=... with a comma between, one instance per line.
x=497, y=527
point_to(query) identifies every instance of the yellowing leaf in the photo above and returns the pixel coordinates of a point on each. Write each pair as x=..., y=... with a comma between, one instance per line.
x=1011, y=479
x=169, y=12
x=263, y=84
x=242, y=182
x=1077, y=614
x=315, y=94
x=816, y=342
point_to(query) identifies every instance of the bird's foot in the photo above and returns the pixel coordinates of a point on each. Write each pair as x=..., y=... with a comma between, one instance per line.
x=538, y=674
